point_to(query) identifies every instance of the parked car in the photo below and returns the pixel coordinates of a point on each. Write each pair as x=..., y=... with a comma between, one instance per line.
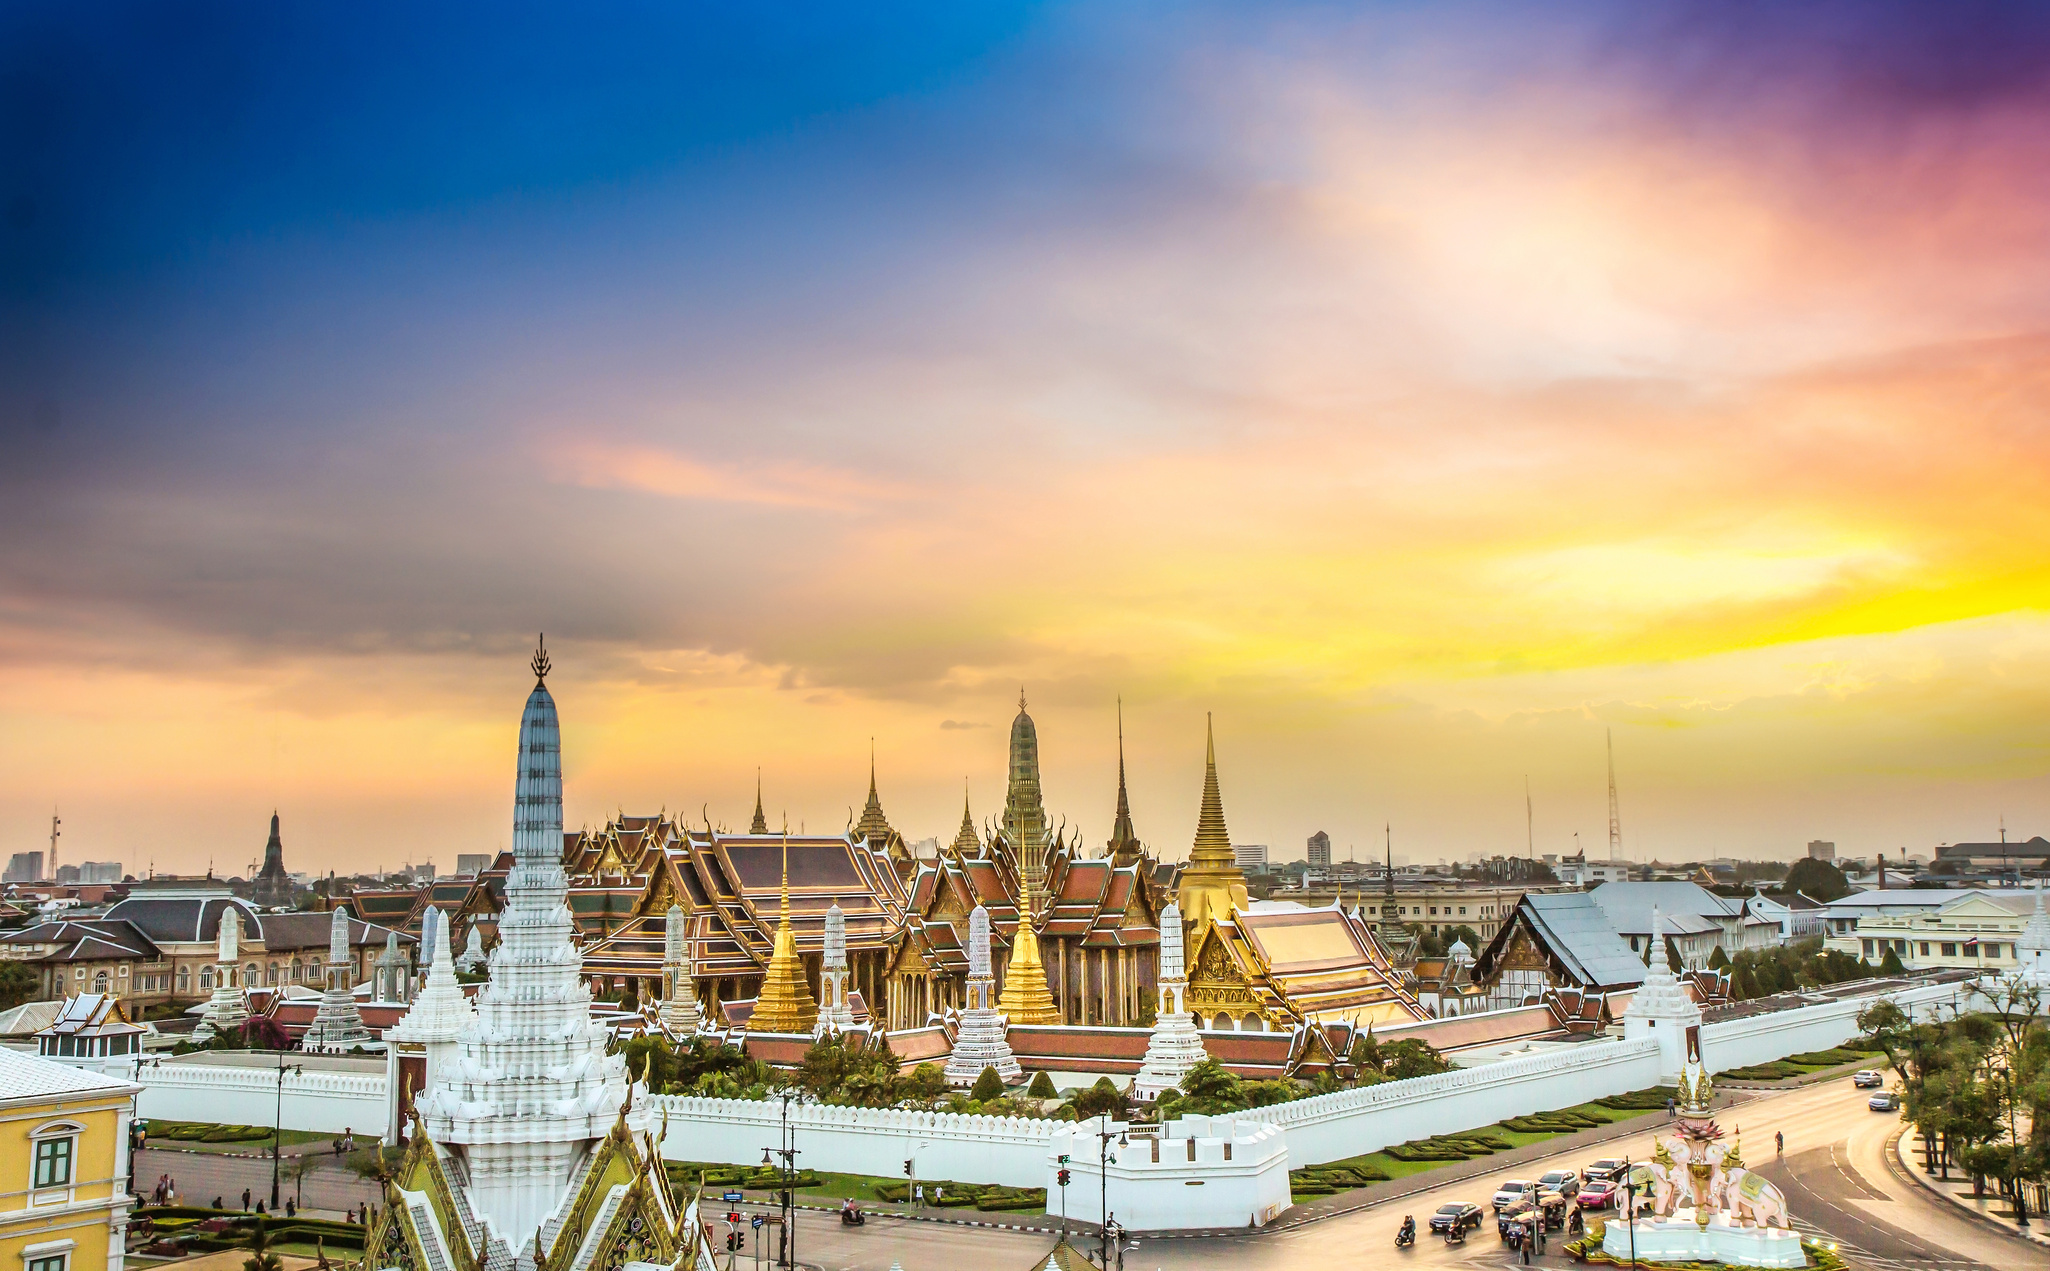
x=1868, y=1079
x=1459, y=1213
x=1563, y=1181
x=1510, y=1193
x=1884, y=1101
x=1608, y=1167
x=1600, y=1193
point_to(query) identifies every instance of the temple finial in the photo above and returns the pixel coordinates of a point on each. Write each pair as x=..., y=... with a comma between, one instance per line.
x=540, y=662
x=1021, y=697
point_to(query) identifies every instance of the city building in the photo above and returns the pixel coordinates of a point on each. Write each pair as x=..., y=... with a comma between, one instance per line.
x=100, y=872
x=64, y=1168
x=1931, y=928
x=1799, y=916
x=471, y=864
x=1250, y=856
x=1578, y=871
x=92, y=1032
x=23, y=867
x=1320, y=850
x=1439, y=905
x=2002, y=857
x=1821, y=851
x=1697, y=922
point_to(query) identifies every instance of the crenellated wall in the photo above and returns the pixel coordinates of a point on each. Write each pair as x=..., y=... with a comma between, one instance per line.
x=324, y=1102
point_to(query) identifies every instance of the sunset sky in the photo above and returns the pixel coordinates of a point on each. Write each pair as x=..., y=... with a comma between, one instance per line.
x=1421, y=390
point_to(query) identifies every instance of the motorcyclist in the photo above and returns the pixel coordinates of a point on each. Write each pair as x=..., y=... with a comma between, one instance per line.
x=1407, y=1236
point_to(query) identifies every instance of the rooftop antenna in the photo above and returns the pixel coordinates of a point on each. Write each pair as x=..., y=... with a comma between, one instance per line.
x=1615, y=818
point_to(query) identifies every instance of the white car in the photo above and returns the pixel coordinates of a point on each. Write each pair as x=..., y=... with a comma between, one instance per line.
x=1511, y=1192
x=1867, y=1079
x=1563, y=1181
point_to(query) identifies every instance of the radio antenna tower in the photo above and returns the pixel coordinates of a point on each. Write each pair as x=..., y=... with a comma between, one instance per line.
x=1615, y=817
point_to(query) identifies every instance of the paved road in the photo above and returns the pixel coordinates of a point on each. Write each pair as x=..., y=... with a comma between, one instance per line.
x=328, y=1191
x=1835, y=1175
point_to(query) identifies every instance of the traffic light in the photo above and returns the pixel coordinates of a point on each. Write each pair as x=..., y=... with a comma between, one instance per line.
x=907, y=1169
x=1062, y=1178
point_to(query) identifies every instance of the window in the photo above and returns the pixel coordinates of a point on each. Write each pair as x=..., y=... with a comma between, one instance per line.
x=185, y=978
x=1925, y=948
x=1868, y=948
x=1992, y=950
x=99, y=982
x=124, y=972
x=53, y=1162
x=54, y=1262
x=1949, y=949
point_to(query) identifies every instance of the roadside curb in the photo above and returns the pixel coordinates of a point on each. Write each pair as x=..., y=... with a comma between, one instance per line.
x=1897, y=1155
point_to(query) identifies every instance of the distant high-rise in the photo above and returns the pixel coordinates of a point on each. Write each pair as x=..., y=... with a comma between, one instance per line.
x=1821, y=851
x=472, y=863
x=99, y=872
x=273, y=886
x=1320, y=850
x=23, y=867
x=1249, y=855
x=67, y=875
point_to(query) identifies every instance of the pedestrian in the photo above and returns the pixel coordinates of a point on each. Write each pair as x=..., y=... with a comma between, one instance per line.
x=218, y=1204
x=939, y=1194
x=1779, y=1143
x=259, y=1206
x=1527, y=1242
x=1669, y=1107
x=245, y=1198
x=918, y=1196
x=291, y=1210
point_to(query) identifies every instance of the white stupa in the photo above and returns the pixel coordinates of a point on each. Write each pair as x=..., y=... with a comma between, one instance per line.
x=679, y=1013
x=440, y=1012
x=227, y=1009
x=1662, y=1009
x=980, y=1043
x=835, y=1014
x=338, y=1024
x=472, y=957
x=1175, y=1046
x=529, y=1088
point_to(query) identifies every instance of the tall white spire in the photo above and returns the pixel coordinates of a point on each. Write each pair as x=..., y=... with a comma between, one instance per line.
x=228, y=1008
x=980, y=1043
x=836, y=1014
x=679, y=1013
x=1662, y=1008
x=338, y=1024
x=440, y=1013
x=530, y=1086
x=1175, y=1046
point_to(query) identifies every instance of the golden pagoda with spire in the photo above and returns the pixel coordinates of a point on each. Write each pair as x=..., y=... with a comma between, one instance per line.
x=761, y=823
x=1212, y=885
x=873, y=828
x=1026, y=999
x=966, y=842
x=785, y=1004
x=1124, y=846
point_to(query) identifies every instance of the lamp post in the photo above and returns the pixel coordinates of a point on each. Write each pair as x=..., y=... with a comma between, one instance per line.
x=1103, y=1222
x=787, y=1150
x=1630, y=1215
x=278, y=1127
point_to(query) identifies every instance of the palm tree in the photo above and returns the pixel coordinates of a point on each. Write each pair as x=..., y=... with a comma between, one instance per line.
x=261, y=1257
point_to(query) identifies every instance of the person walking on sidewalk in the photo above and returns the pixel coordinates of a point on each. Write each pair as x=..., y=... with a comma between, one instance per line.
x=245, y=1199
x=1779, y=1143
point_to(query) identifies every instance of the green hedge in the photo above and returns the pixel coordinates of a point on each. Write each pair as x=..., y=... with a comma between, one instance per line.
x=1638, y=1100
x=1829, y=1058
x=205, y=1132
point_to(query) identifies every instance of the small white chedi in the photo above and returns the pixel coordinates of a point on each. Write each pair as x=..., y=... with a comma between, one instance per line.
x=980, y=1043
x=1706, y=1204
x=1175, y=1046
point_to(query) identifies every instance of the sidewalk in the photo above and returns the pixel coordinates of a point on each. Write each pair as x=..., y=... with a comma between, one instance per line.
x=1992, y=1208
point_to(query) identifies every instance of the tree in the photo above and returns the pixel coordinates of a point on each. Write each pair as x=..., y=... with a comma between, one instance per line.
x=1101, y=1099
x=1891, y=963
x=1466, y=933
x=990, y=1085
x=1717, y=959
x=17, y=984
x=1412, y=1057
x=261, y=1256
x=1212, y=1088
x=1818, y=880
x=1041, y=1087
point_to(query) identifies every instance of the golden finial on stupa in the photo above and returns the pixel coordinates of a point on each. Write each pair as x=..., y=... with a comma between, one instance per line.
x=785, y=1003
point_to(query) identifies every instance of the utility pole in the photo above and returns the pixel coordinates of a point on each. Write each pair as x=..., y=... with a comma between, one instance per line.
x=56, y=821
x=1615, y=818
x=1529, y=822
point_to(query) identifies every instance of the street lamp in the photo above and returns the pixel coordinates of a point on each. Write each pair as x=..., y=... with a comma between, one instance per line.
x=1103, y=1222
x=1630, y=1214
x=787, y=1150
x=278, y=1127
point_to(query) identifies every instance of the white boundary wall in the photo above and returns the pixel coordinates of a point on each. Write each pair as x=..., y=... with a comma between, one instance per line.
x=325, y=1102
x=942, y=1145
x=1760, y=1039
x=1325, y=1128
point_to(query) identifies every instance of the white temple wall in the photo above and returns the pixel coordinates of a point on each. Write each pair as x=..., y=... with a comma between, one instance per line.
x=1235, y=1175
x=944, y=1145
x=1760, y=1039
x=324, y=1102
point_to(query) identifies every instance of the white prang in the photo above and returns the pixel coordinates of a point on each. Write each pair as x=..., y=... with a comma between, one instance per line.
x=338, y=1024
x=1662, y=1009
x=440, y=1013
x=980, y=1043
x=835, y=1014
x=530, y=1087
x=228, y=1008
x=1175, y=1046
x=679, y=1013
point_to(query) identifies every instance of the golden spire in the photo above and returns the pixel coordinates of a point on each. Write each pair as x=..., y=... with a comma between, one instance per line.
x=873, y=827
x=785, y=1003
x=1124, y=841
x=761, y=823
x=1025, y=998
x=966, y=841
x=1212, y=884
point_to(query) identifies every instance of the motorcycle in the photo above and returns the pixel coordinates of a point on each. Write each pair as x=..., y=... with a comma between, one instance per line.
x=853, y=1218
x=1456, y=1235
x=1407, y=1236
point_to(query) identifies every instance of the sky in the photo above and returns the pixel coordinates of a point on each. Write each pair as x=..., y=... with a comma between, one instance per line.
x=1426, y=394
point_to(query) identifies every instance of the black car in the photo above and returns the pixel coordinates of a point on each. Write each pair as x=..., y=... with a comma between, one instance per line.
x=1457, y=1214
